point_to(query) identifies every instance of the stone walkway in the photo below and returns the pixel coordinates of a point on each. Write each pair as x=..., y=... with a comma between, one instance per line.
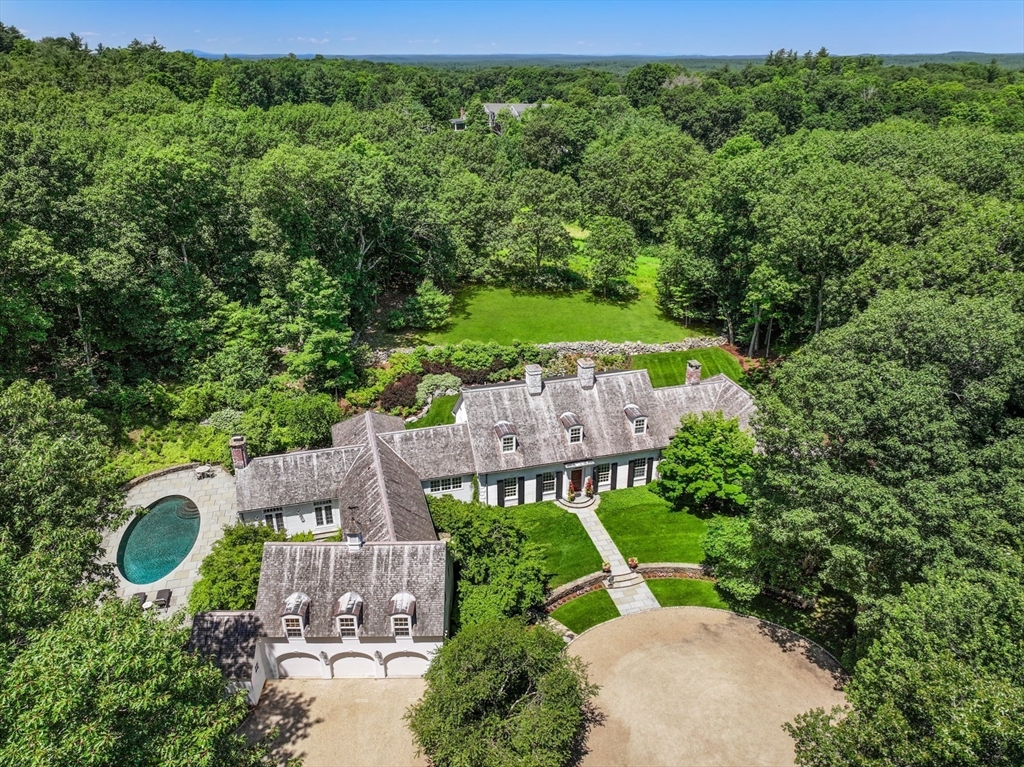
x=215, y=497
x=627, y=589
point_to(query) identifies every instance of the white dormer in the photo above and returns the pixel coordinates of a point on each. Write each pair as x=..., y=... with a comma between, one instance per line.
x=348, y=615
x=573, y=427
x=295, y=617
x=507, y=436
x=402, y=614
x=637, y=419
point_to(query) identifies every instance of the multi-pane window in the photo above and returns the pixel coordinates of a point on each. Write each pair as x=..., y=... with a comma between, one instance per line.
x=639, y=468
x=511, y=488
x=401, y=625
x=445, y=484
x=293, y=627
x=547, y=480
x=640, y=426
x=274, y=518
x=603, y=473
x=575, y=434
x=324, y=513
x=508, y=444
x=346, y=625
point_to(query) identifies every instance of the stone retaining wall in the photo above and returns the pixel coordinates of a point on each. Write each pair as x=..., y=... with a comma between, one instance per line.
x=674, y=570
x=158, y=473
x=577, y=588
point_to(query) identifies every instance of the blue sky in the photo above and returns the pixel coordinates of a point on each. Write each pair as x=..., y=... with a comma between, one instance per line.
x=590, y=27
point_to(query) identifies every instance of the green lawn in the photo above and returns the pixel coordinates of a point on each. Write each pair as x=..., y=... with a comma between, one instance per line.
x=669, y=368
x=440, y=413
x=677, y=592
x=568, y=551
x=498, y=314
x=586, y=611
x=644, y=526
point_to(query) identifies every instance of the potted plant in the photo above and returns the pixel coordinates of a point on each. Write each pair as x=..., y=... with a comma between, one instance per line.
x=588, y=488
x=633, y=563
x=606, y=567
x=572, y=492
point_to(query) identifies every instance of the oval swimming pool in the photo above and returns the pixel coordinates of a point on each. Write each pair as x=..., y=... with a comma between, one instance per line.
x=159, y=540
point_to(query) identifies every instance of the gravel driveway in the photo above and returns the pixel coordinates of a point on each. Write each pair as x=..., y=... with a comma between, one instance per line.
x=695, y=686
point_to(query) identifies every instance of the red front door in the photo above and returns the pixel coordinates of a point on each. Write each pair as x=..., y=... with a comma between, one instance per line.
x=577, y=480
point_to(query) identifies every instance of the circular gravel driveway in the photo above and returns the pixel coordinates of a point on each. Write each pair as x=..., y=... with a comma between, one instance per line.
x=695, y=686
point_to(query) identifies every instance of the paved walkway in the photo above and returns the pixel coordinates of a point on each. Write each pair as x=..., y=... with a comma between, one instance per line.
x=215, y=497
x=633, y=595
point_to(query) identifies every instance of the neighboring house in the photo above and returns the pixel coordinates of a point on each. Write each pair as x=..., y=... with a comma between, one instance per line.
x=377, y=604
x=492, y=111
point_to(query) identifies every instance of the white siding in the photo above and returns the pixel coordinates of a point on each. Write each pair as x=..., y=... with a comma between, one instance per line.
x=300, y=518
x=464, y=493
x=330, y=657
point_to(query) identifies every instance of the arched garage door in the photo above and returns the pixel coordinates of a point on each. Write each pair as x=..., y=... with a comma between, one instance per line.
x=353, y=664
x=298, y=665
x=406, y=664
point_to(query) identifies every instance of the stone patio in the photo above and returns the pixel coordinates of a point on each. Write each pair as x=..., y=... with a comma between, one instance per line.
x=215, y=497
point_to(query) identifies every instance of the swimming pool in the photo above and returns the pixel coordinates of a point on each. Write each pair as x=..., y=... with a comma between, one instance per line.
x=159, y=540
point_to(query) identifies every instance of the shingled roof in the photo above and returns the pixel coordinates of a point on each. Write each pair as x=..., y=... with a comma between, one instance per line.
x=377, y=572
x=436, y=451
x=229, y=639
x=600, y=410
x=282, y=480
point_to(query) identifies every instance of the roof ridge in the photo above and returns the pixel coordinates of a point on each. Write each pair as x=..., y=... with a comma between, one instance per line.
x=379, y=470
x=308, y=451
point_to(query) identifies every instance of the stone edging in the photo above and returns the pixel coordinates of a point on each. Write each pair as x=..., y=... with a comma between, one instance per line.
x=674, y=570
x=158, y=473
x=596, y=581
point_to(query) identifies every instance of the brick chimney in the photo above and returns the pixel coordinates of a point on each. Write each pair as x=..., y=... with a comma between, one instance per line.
x=534, y=379
x=239, y=453
x=585, y=373
x=692, y=372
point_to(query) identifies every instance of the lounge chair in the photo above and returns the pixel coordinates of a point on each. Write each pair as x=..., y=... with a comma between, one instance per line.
x=140, y=598
x=163, y=597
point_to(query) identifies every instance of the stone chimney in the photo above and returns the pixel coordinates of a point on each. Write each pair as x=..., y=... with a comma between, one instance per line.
x=692, y=372
x=462, y=113
x=534, y=379
x=585, y=372
x=239, y=453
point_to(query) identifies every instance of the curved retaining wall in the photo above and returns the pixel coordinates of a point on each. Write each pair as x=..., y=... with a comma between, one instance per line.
x=598, y=580
x=158, y=473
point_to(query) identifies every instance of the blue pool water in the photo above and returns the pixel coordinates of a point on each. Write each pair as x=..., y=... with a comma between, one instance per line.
x=158, y=541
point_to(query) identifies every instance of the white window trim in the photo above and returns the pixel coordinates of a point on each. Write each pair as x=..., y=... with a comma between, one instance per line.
x=445, y=484
x=354, y=626
x=508, y=443
x=408, y=625
x=513, y=484
x=639, y=468
x=289, y=619
x=640, y=425
x=548, y=477
x=575, y=435
x=324, y=511
x=606, y=469
x=274, y=517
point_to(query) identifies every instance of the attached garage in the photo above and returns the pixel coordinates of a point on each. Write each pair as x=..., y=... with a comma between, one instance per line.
x=298, y=665
x=406, y=664
x=350, y=664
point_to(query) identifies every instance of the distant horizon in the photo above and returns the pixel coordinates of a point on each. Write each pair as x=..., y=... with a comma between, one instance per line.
x=651, y=28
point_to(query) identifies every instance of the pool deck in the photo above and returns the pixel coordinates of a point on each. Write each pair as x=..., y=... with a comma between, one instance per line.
x=215, y=497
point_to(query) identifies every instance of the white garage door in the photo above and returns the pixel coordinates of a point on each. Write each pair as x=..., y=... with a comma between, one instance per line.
x=354, y=664
x=406, y=664
x=302, y=666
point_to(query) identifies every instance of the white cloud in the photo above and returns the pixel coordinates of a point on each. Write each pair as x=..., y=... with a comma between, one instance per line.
x=211, y=39
x=89, y=34
x=347, y=39
x=313, y=40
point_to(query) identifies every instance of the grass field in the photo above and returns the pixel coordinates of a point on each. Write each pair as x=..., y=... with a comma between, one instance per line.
x=678, y=592
x=644, y=526
x=586, y=611
x=669, y=368
x=499, y=314
x=568, y=551
x=439, y=414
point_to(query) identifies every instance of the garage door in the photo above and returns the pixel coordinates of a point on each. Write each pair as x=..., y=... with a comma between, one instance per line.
x=353, y=664
x=301, y=666
x=406, y=664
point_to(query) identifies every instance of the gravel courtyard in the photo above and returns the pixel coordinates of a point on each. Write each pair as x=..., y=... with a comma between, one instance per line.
x=695, y=686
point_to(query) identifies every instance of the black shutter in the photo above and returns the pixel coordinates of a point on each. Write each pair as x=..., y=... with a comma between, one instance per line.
x=540, y=487
x=501, y=492
x=614, y=475
x=629, y=474
x=558, y=484
x=522, y=490
x=650, y=470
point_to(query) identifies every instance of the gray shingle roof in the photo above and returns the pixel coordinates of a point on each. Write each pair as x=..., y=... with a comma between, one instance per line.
x=377, y=572
x=354, y=430
x=601, y=411
x=229, y=639
x=516, y=109
x=437, y=451
x=282, y=480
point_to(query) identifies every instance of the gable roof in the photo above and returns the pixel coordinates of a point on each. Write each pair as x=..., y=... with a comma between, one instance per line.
x=228, y=638
x=435, y=451
x=290, y=478
x=516, y=109
x=377, y=572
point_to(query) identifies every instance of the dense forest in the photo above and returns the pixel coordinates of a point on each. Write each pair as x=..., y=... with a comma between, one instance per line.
x=183, y=238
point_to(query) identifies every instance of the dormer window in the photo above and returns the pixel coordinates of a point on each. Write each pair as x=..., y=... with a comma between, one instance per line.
x=295, y=616
x=507, y=436
x=575, y=435
x=347, y=626
x=348, y=613
x=640, y=426
x=403, y=610
x=637, y=418
x=573, y=427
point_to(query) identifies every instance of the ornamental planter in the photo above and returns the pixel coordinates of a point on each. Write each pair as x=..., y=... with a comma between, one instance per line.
x=633, y=563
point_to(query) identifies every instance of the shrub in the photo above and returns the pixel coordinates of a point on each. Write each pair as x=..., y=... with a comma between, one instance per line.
x=434, y=383
x=428, y=307
x=401, y=393
x=396, y=320
x=230, y=574
x=228, y=421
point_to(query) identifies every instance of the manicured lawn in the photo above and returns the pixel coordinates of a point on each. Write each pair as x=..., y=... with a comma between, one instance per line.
x=568, y=551
x=586, y=611
x=669, y=368
x=677, y=592
x=644, y=526
x=440, y=413
x=498, y=314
